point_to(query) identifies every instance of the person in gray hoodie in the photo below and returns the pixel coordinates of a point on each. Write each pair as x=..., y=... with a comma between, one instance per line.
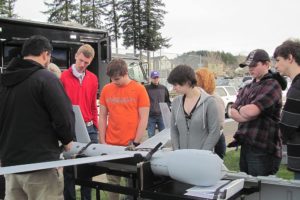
x=194, y=119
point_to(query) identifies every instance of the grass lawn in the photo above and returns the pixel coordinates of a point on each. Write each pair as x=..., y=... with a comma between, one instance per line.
x=231, y=160
x=103, y=195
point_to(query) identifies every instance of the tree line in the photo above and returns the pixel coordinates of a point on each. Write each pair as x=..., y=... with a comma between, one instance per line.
x=203, y=58
x=137, y=22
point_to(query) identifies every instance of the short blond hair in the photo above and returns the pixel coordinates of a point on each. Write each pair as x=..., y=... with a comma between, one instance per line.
x=206, y=80
x=87, y=50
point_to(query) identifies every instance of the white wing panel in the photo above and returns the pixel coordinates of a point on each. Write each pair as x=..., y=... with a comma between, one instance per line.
x=163, y=137
x=59, y=163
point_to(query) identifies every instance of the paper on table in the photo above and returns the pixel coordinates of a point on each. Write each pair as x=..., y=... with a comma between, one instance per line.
x=205, y=192
x=202, y=195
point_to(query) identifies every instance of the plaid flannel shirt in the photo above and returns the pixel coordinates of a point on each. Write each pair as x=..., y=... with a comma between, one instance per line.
x=262, y=132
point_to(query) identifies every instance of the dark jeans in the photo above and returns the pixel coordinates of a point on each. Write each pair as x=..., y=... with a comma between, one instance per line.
x=69, y=183
x=220, y=148
x=152, y=122
x=2, y=187
x=257, y=162
x=69, y=191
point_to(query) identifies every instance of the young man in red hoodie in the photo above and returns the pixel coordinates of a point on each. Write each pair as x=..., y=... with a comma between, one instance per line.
x=81, y=85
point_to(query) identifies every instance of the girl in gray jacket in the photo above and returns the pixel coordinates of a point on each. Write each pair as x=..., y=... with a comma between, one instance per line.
x=194, y=120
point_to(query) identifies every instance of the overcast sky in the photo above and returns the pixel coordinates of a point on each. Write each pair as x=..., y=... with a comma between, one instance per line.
x=235, y=26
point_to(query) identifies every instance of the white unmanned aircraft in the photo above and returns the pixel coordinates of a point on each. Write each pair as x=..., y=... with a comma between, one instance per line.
x=201, y=168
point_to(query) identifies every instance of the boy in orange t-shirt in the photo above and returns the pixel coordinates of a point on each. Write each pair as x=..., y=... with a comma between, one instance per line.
x=123, y=104
x=124, y=110
x=124, y=107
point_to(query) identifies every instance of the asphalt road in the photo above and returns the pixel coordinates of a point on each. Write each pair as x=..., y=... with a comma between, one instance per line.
x=230, y=127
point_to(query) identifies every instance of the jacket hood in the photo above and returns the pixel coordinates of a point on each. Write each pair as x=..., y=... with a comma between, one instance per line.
x=19, y=70
x=275, y=75
x=204, y=96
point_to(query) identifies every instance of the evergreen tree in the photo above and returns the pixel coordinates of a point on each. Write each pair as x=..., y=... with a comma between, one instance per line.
x=141, y=22
x=152, y=39
x=129, y=23
x=61, y=10
x=91, y=12
x=228, y=58
x=113, y=20
x=2, y=8
x=7, y=8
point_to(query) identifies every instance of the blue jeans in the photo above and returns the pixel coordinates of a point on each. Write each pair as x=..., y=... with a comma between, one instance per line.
x=297, y=176
x=93, y=133
x=152, y=122
x=257, y=162
x=69, y=191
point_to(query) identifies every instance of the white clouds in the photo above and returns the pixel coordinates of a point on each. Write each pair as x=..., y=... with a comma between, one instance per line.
x=31, y=10
x=236, y=26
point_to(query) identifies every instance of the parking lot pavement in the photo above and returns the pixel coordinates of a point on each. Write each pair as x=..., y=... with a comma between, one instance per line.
x=230, y=127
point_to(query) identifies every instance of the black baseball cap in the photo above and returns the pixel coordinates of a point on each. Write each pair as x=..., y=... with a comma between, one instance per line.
x=254, y=57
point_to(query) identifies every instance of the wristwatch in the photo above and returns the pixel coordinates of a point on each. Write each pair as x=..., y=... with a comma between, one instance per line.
x=135, y=143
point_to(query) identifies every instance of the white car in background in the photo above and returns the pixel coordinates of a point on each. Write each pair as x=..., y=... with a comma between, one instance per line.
x=228, y=95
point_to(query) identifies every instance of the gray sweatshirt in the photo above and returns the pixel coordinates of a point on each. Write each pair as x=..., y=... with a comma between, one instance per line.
x=204, y=125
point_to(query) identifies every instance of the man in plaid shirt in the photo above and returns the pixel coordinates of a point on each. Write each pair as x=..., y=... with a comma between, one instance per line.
x=257, y=109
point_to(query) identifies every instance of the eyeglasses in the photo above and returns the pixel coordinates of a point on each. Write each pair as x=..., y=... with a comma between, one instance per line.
x=49, y=53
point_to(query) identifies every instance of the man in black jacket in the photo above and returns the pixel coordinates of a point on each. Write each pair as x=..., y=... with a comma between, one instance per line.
x=157, y=93
x=35, y=114
x=287, y=57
